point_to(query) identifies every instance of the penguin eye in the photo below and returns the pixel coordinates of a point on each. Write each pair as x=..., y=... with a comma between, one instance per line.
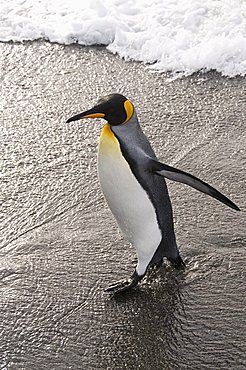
x=116, y=107
x=115, y=116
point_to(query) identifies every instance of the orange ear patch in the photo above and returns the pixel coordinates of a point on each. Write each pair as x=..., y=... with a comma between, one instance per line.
x=129, y=110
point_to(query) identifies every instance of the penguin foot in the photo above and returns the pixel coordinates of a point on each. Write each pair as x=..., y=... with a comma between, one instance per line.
x=158, y=264
x=177, y=263
x=123, y=286
x=120, y=287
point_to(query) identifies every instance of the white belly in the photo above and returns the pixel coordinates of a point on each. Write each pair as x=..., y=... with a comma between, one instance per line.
x=127, y=200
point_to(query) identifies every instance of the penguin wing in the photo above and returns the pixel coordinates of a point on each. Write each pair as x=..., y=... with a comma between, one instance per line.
x=174, y=174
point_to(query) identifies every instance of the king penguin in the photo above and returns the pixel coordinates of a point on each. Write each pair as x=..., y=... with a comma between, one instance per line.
x=133, y=183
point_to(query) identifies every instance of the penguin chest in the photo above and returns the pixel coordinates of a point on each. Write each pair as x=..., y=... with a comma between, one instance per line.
x=126, y=198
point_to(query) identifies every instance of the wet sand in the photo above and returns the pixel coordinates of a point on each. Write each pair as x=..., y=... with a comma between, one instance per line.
x=60, y=246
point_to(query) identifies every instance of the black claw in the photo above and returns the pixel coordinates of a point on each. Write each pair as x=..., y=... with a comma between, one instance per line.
x=117, y=286
x=121, y=287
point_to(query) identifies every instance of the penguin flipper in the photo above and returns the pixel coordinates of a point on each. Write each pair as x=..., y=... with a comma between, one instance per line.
x=175, y=174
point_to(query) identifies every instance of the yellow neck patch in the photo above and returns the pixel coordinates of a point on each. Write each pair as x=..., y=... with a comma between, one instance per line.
x=129, y=110
x=107, y=132
x=108, y=143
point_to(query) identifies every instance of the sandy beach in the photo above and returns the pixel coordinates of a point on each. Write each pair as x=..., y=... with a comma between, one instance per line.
x=60, y=245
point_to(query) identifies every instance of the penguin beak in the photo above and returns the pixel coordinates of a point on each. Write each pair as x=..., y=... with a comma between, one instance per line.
x=91, y=113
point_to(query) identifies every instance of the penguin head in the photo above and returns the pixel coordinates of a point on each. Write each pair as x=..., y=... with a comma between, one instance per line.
x=116, y=109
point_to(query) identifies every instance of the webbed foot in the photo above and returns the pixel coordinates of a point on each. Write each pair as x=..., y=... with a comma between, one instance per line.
x=158, y=264
x=120, y=287
x=123, y=286
x=177, y=263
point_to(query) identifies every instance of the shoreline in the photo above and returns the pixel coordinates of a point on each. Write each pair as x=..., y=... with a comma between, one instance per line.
x=210, y=73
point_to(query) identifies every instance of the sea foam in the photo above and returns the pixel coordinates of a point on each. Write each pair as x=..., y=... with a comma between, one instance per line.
x=179, y=36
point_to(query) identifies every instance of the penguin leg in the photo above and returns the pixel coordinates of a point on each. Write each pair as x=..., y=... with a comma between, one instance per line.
x=144, y=260
x=123, y=286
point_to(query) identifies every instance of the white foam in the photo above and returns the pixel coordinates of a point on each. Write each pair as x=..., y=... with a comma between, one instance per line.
x=172, y=35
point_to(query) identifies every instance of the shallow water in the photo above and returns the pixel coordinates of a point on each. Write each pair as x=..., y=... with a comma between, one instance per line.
x=60, y=246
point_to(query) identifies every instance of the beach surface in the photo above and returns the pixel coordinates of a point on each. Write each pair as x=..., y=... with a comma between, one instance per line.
x=60, y=246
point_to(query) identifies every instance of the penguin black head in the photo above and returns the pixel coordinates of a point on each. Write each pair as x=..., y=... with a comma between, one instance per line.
x=116, y=109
